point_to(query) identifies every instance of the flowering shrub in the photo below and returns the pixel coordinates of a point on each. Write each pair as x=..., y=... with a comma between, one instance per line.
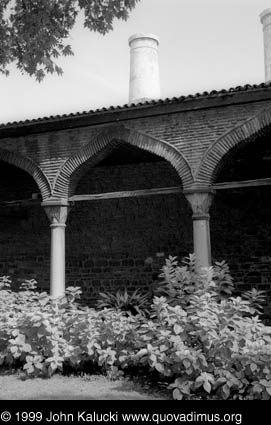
x=202, y=340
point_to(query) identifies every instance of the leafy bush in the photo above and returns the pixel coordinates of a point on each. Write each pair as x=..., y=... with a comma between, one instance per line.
x=43, y=335
x=32, y=327
x=135, y=303
x=256, y=298
x=211, y=346
x=197, y=336
x=179, y=283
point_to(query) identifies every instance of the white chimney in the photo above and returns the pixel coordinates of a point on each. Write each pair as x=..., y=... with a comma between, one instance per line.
x=265, y=17
x=144, y=68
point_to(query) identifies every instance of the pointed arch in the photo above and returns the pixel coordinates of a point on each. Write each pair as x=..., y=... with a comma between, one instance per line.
x=30, y=167
x=242, y=134
x=104, y=143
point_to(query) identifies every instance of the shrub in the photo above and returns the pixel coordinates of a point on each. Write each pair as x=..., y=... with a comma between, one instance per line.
x=42, y=335
x=179, y=283
x=135, y=303
x=209, y=345
x=32, y=328
x=210, y=352
x=205, y=342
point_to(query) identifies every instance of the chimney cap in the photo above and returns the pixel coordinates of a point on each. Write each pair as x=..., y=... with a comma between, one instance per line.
x=265, y=13
x=142, y=36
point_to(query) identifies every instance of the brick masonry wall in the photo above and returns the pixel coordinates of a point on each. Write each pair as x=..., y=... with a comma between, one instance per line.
x=241, y=234
x=118, y=243
x=110, y=244
x=24, y=230
x=192, y=132
x=128, y=177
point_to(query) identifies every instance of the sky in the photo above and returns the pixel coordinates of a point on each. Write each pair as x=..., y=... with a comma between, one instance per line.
x=204, y=45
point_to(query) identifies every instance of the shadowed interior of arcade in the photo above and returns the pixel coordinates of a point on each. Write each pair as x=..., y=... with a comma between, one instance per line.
x=122, y=242
x=24, y=233
x=241, y=216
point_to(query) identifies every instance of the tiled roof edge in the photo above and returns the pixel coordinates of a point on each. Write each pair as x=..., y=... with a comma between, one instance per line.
x=173, y=100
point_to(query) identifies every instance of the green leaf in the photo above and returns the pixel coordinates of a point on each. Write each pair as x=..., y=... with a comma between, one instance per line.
x=186, y=363
x=257, y=388
x=177, y=329
x=177, y=395
x=29, y=368
x=159, y=367
x=163, y=348
x=253, y=367
x=27, y=348
x=207, y=386
x=225, y=392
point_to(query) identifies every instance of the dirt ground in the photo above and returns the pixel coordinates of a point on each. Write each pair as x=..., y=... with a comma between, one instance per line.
x=16, y=387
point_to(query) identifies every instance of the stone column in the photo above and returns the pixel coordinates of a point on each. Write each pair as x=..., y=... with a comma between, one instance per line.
x=57, y=212
x=200, y=203
x=265, y=18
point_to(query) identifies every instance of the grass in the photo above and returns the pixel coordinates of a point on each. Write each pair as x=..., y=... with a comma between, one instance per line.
x=88, y=387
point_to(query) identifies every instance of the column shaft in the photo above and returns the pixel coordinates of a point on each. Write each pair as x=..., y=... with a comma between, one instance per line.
x=202, y=242
x=57, y=212
x=200, y=203
x=57, y=272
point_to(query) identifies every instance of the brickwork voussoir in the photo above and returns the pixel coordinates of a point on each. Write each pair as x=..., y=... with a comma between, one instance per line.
x=30, y=167
x=244, y=133
x=169, y=152
x=107, y=140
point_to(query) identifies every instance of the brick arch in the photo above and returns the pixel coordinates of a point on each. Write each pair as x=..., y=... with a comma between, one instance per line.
x=104, y=143
x=242, y=134
x=30, y=167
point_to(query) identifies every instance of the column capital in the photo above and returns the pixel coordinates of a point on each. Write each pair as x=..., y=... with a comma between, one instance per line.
x=200, y=202
x=57, y=211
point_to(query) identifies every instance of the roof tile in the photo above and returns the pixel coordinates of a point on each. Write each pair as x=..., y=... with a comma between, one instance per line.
x=213, y=93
